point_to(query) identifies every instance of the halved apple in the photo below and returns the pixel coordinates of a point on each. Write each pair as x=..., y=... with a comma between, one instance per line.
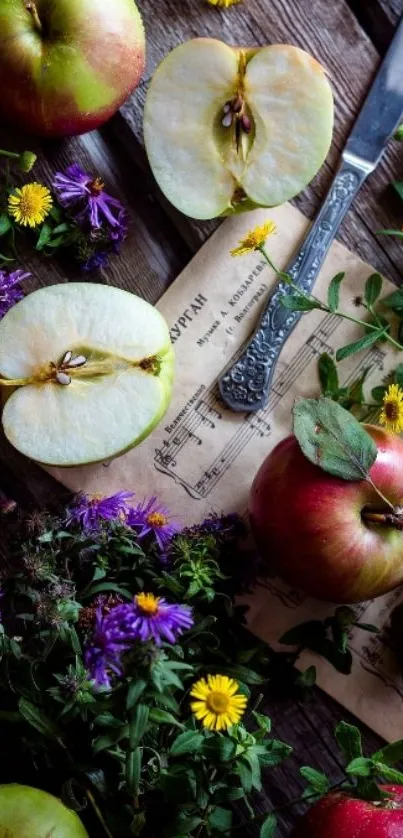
x=228, y=129
x=90, y=372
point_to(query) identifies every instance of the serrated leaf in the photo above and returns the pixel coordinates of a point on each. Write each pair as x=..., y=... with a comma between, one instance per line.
x=330, y=437
x=138, y=724
x=38, y=719
x=348, y=738
x=373, y=288
x=328, y=375
x=316, y=779
x=361, y=767
x=333, y=293
x=359, y=345
x=297, y=302
x=133, y=771
x=268, y=827
x=390, y=754
x=275, y=754
x=186, y=743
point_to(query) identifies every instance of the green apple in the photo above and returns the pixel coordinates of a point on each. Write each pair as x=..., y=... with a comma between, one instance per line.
x=68, y=65
x=89, y=369
x=26, y=812
x=228, y=129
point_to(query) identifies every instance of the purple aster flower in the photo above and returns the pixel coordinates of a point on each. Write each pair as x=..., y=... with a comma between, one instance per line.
x=10, y=291
x=103, y=654
x=80, y=190
x=151, y=517
x=96, y=261
x=151, y=618
x=90, y=511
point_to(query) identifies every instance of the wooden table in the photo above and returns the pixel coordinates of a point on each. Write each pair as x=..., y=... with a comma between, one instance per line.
x=347, y=37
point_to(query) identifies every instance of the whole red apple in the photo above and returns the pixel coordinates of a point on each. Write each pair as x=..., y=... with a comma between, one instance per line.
x=67, y=65
x=310, y=525
x=338, y=816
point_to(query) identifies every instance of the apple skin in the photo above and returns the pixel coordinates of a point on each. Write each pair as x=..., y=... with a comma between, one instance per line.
x=308, y=523
x=73, y=75
x=27, y=812
x=338, y=816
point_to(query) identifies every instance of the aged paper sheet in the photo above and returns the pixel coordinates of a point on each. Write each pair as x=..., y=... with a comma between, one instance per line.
x=203, y=457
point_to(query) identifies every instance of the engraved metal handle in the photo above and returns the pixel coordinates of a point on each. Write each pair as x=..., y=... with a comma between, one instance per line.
x=246, y=386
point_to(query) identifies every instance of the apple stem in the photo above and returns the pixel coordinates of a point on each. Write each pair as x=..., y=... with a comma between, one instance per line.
x=31, y=8
x=386, y=519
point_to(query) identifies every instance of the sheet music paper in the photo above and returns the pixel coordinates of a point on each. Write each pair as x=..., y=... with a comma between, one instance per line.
x=203, y=457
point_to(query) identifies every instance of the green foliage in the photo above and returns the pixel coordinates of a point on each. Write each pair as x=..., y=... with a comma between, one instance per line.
x=332, y=438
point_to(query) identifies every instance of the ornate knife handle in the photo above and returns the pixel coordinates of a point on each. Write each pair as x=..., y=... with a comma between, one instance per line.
x=246, y=386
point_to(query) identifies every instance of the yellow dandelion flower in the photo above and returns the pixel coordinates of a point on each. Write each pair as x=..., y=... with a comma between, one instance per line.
x=391, y=416
x=218, y=703
x=223, y=3
x=254, y=239
x=30, y=204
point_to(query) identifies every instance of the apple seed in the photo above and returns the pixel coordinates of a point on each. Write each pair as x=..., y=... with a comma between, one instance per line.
x=62, y=378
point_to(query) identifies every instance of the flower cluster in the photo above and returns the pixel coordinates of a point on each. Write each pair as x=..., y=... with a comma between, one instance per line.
x=10, y=288
x=101, y=219
x=146, y=618
x=80, y=217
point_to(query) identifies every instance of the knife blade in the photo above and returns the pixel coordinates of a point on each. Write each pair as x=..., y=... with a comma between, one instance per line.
x=246, y=385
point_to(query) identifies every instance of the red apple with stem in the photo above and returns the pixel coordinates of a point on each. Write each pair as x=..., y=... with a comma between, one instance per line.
x=337, y=815
x=340, y=540
x=68, y=65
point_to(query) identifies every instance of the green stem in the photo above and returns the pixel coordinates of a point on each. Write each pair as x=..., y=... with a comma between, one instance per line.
x=381, y=495
x=13, y=154
x=288, y=805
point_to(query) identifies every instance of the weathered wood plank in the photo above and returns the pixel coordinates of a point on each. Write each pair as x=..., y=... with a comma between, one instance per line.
x=332, y=33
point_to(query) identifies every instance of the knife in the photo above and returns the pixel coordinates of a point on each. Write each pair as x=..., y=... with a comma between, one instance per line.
x=246, y=385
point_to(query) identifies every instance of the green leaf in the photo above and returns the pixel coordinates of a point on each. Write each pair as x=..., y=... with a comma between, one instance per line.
x=186, y=743
x=239, y=672
x=334, y=291
x=136, y=688
x=316, y=779
x=303, y=634
x=359, y=345
x=133, y=771
x=397, y=233
x=108, y=740
x=297, y=302
x=348, y=738
x=399, y=375
x=394, y=300
x=373, y=288
x=368, y=627
x=138, y=724
x=245, y=776
x=389, y=774
x=107, y=586
x=38, y=719
x=398, y=186
x=333, y=439
x=307, y=678
x=390, y=753
x=268, y=827
x=328, y=375
x=5, y=224
x=361, y=767
x=378, y=393
x=162, y=717
x=264, y=722
x=220, y=819
x=276, y=752
x=44, y=236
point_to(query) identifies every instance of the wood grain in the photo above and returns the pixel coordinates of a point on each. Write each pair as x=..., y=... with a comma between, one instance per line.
x=331, y=32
